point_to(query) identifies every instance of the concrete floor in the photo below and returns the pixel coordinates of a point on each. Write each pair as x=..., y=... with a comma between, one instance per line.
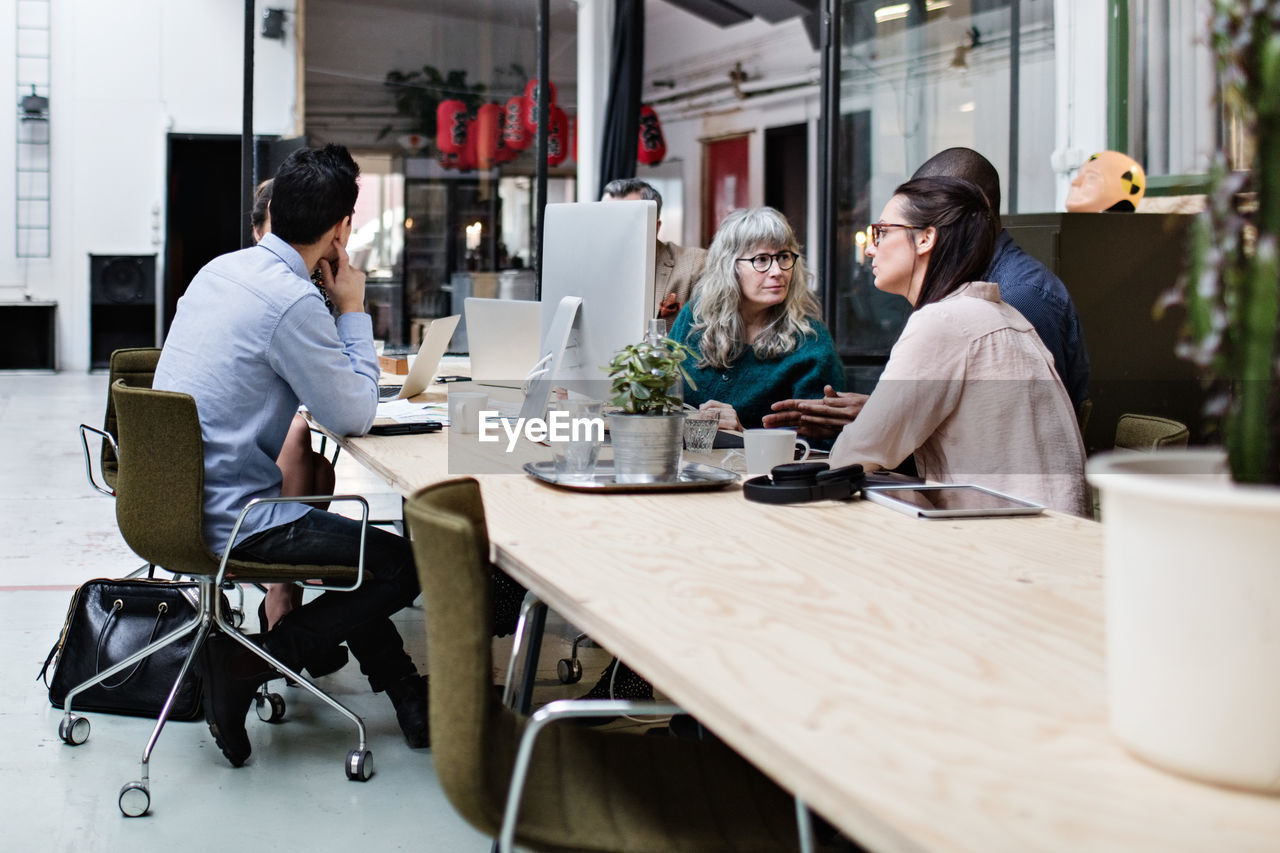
x=291, y=795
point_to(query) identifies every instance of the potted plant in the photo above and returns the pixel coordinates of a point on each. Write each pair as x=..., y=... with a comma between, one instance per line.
x=1192, y=574
x=648, y=431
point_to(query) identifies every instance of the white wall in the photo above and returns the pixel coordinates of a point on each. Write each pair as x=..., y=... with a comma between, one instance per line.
x=694, y=54
x=124, y=75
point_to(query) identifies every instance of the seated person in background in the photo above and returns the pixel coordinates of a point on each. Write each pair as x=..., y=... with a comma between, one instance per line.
x=753, y=325
x=303, y=472
x=1025, y=283
x=970, y=388
x=675, y=268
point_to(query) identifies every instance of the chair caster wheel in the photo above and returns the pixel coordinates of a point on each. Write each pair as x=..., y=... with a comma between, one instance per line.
x=569, y=670
x=270, y=707
x=135, y=799
x=359, y=765
x=73, y=729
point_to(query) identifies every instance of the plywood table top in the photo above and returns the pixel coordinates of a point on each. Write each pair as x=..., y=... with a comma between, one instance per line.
x=925, y=685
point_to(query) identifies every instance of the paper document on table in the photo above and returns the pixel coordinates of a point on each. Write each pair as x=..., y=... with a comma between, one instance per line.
x=405, y=412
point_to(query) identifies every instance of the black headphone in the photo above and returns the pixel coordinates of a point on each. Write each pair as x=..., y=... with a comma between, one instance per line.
x=798, y=482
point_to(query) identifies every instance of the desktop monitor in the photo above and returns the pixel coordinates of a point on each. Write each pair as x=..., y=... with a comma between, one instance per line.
x=601, y=253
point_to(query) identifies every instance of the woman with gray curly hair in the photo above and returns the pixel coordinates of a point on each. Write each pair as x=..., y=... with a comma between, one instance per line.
x=753, y=324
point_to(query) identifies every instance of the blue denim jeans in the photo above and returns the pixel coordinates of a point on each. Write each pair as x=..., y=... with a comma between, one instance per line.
x=360, y=618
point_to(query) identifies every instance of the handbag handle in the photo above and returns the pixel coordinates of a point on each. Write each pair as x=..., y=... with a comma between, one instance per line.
x=116, y=607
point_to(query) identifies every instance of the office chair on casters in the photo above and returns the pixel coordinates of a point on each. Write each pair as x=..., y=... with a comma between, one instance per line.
x=1150, y=432
x=159, y=509
x=571, y=788
x=137, y=367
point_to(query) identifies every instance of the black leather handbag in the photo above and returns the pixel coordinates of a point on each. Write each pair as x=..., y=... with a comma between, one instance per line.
x=111, y=619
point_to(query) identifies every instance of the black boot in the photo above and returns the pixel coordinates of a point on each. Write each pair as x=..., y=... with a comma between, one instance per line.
x=232, y=675
x=324, y=663
x=409, y=696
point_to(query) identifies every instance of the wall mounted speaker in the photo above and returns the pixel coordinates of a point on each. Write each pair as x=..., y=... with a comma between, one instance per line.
x=122, y=279
x=122, y=290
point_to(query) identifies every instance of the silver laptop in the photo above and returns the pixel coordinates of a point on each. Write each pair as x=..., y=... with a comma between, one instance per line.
x=504, y=335
x=435, y=340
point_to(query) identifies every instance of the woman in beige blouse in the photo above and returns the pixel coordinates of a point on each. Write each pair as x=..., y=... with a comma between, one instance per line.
x=969, y=387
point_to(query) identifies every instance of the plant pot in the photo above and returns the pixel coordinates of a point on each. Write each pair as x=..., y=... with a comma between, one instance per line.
x=646, y=448
x=1192, y=615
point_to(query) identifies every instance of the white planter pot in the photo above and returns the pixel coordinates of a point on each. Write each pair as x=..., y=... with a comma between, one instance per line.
x=1192, y=615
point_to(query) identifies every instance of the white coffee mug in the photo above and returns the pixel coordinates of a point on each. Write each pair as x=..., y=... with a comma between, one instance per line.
x=464, y=411
x=766, y=448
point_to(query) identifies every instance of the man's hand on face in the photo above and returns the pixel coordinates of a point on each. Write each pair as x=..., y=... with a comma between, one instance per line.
x=344, y=284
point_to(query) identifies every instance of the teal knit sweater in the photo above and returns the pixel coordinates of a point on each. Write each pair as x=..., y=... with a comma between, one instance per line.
x=752, y=385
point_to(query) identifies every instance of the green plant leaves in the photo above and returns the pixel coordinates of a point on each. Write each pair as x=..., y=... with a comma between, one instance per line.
x=643, y=377
x=1232, y=288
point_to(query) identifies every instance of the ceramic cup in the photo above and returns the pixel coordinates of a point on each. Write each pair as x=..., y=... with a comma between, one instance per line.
x=464, y=411
x=766, y=448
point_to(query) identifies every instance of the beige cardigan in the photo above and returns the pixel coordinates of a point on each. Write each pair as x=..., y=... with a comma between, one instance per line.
x=972, y=392
x=675, y=270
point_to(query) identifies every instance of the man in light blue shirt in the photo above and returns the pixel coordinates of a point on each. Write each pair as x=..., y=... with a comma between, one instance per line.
x=251, y=339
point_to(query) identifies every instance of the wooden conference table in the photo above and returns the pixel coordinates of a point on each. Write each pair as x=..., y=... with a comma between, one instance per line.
x=924, y=685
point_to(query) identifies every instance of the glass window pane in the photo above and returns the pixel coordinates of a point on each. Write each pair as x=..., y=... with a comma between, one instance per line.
x=436, y=224
x=1172, y=124
x=917, y=77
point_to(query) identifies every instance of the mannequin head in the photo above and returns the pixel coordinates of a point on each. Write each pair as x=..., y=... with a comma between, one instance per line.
x=1108, y=180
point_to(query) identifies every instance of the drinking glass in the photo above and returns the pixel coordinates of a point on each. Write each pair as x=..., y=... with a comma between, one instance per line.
x=575, y=435
x=700, y=432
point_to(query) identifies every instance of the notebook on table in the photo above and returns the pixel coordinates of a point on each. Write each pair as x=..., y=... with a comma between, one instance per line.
x=435, y=340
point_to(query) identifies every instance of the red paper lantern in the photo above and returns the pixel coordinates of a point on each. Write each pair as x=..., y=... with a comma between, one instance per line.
x=489, y=146
x=531, y=104
x=506, y=153
x=451, y=126
x=448, y=160
x=557, y=137
x=652, y=145
x=573, y=136
x=514, y=134
x=467, y=157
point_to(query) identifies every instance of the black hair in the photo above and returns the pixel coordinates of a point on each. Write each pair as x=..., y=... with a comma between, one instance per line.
x=967, y=164
x=312, y=191
x=261, y=199
x=966, y=232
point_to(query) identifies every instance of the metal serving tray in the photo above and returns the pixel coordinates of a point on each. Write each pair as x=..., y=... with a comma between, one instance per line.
x=693, y=476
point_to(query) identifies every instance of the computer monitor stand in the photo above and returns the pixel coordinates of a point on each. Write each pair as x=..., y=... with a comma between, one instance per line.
x=555, y=348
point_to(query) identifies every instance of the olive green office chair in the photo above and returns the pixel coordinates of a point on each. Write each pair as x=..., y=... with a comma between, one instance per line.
x=1144, y=433
x=137, y=367
x=1084, y=412
x=159, y=509
x=556, y=787
x=1149, y=432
